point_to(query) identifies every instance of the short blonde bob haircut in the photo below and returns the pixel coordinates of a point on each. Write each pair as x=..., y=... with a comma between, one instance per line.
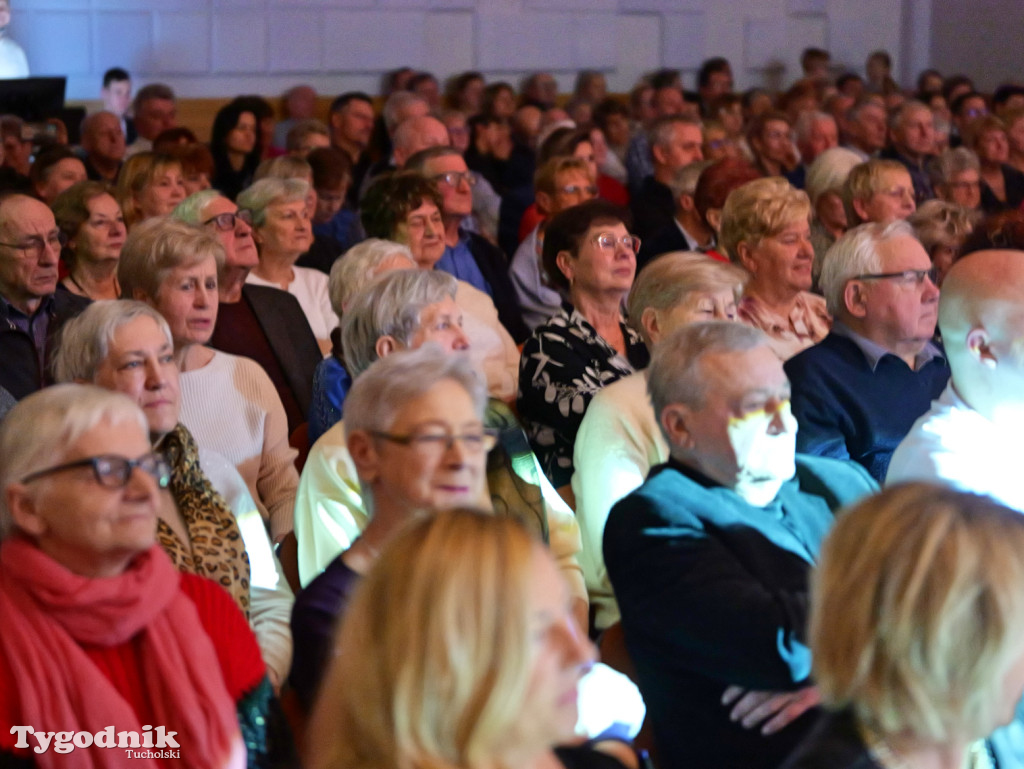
x=760, y=209
x=669, y=281
x=431, y=662
x=917, y=612
x=135, y=175
x=159, y=245
x=864, y=181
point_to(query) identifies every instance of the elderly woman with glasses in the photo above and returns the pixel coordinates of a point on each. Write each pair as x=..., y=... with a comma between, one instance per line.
x=91, y=220
x=406, y=309
x=283, y=233
x=415, y=435
x=591, y=257
x=101, y=634
x=229, y=403
x=213, y=527
x=916, y=628
x=406, y=208
x=766, y=229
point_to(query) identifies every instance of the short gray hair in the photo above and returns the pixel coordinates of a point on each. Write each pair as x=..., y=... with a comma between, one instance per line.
x=190, y=210
x=358, y=267
x=898, y=115
x=684, y=180
x=394, y=105
x=675, y=374
x=943, y=168
x=38, y=431
x=158, y=245
x=390, y=306
x=661, y=130
x=805, y=122
x=669, y=280
x=828, y=172
x=853, y=254
x=259, y=195
x=85, y=339
x=380, y=392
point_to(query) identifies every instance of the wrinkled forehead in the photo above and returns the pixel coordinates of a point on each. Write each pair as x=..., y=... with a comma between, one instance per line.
x=22, y=215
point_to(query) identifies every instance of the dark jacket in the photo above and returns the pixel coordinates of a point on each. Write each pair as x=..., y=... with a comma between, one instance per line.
x=713, y=593
x=289, y=336
x=494, y=267
x=19, y=363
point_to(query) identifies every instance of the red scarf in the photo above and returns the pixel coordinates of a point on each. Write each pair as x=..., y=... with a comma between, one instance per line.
x=47, y=612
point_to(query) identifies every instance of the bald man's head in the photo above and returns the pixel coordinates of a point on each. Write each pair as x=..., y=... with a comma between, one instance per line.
x=981, y=317
x=981, y=289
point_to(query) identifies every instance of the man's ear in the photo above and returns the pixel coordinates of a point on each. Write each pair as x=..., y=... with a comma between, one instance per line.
x=658, y=153
x=855, y=298
x=686, y=203
x=675, y=419
x=714, y=217
x=980, y=346
x=23, y=510
x=386, y=345
x=363, y=450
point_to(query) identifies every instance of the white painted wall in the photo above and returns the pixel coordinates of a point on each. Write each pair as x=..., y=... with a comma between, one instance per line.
x=224, y=47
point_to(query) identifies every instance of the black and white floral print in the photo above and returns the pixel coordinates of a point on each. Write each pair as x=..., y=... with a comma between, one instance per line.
x=563, y=365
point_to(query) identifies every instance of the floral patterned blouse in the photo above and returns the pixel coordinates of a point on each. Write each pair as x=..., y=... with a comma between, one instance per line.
x=563, y=365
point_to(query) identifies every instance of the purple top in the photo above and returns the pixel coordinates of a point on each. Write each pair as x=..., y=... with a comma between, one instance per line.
x=316, y=613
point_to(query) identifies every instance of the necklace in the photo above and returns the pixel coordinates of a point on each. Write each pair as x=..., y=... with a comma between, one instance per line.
x=71, y=277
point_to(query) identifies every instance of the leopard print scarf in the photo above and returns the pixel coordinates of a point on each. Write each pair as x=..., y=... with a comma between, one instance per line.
x=217, y=551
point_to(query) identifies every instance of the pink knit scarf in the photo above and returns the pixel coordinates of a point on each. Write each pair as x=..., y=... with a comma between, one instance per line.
x=47, y=613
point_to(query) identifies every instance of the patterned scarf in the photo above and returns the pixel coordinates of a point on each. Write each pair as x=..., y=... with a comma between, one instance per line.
x=215, y=549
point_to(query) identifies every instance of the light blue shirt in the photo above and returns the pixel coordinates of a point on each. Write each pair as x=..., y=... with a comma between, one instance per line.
x=459, y=261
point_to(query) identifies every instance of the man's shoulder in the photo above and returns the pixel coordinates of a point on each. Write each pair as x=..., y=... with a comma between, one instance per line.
x=255, y=293
x=480, y=246
x=834, y=350
x=838, y=481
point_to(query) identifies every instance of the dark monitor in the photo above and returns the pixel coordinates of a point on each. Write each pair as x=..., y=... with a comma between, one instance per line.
x=33, y=98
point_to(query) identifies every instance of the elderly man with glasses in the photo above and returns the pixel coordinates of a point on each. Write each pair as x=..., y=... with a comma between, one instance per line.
x=31, y=308
x=265, y=324
x=857, y=393
x=467, y=255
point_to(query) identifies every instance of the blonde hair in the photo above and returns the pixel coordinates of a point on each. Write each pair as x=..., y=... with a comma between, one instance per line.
x=135, y=175
x=669, y=280
x=760, y=209
x=431, y=660
x=939, y=223
x=917, y=611
x=864, y=181
x=159, y=245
